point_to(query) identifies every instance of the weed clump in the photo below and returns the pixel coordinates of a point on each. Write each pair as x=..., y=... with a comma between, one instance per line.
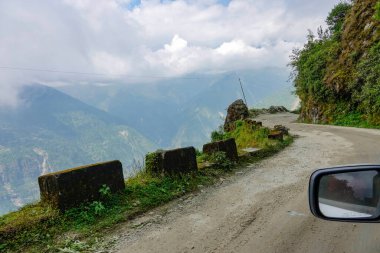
x=152, y=162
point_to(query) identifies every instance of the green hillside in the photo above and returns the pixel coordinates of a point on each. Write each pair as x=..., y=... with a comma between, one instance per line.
x=337, y=72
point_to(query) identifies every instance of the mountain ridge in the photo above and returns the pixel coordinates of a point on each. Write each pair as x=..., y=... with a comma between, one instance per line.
x=181, y=112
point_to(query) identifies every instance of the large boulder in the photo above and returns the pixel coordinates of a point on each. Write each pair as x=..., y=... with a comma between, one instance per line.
x=277, y=109
x=73, y=187
x=228, y=146
x=236, y=111
x=172, y=162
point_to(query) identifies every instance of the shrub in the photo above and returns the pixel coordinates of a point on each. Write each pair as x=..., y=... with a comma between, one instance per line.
x=247, y=136
x=105, y=192
x=239, y=123
x=336, y=17
x=98, y=207
x=152, y=162
x=217, y=135
x=369, y=72
x=202, y=158
x=220, y=159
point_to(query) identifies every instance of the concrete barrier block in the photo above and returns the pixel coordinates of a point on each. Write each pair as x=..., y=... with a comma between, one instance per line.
x=281, y=128
x=254, y=123
x=276, y=135
x=70, y=188
x=172, y=162
x=228, y=146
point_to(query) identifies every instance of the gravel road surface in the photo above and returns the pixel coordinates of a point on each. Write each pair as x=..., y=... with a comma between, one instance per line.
x=264, y=207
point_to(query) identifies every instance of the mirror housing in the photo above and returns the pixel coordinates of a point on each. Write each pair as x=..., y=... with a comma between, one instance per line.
x=348, y=193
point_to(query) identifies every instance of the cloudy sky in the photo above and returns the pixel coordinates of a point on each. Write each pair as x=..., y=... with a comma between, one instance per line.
x=135, y=41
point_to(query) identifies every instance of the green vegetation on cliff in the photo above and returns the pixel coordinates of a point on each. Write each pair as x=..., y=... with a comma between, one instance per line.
x=337, y=73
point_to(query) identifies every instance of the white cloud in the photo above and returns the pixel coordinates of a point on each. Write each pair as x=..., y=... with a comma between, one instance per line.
x=164, y=39
x=177, y=44
x=236, y=47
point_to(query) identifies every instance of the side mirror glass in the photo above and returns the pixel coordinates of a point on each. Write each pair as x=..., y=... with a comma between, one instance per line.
x=346, y=193
x=350, y=194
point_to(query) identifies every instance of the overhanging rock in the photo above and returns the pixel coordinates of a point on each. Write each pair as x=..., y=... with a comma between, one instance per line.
x=236, y=111
x=70, y=188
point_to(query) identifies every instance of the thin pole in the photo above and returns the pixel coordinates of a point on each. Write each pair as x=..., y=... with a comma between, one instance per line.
x=242, y=90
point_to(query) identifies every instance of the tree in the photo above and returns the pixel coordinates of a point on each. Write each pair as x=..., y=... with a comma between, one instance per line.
x=335, y=19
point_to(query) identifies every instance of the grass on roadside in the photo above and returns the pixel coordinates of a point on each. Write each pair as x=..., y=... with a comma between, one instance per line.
x=356, y=120
x=350, y=119
x=246, y=135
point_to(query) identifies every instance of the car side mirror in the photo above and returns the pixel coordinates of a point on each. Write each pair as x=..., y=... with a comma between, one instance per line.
x=346, y=193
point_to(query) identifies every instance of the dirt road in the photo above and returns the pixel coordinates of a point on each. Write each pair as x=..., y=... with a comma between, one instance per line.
x=264, y=208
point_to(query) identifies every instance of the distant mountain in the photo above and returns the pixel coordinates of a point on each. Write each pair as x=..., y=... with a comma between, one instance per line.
x=151, y=108
x=52, y=131
x=184, y=111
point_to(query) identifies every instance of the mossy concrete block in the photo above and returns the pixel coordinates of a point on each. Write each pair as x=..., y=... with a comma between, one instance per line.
x=228, y=146
x=280, y=128
x=172, y=162
x=276, y=135
x=73, y=187
x=254, y=123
